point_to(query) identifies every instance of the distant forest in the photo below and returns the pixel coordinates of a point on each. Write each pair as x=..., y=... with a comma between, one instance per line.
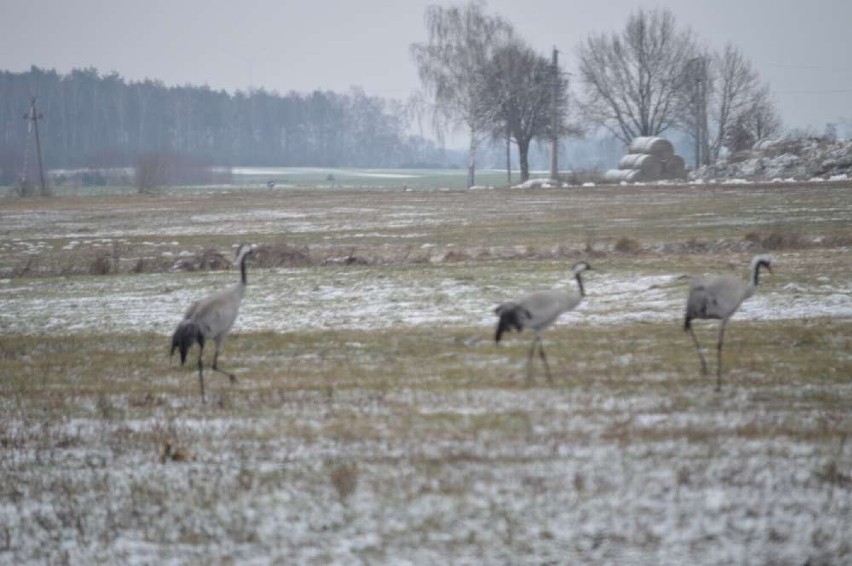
x=94, y=120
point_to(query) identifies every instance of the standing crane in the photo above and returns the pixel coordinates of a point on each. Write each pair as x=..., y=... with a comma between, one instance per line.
x=537, y=311
x=719, y=298
x=211, y=318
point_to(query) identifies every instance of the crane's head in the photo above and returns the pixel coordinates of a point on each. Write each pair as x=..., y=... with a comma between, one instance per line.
x=244, y=250
x=762, y=260
x=580, y=267
x=756, y=263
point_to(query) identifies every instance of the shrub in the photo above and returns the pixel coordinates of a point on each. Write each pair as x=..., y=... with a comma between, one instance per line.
x=626, y=245
x=101, y=265
x=777, y=240
x=281, y=254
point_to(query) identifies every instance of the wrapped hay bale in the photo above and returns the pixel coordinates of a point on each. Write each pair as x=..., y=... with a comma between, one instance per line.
x=653, y=145
x=674, y=168
x=623, y=175
x=650, y=166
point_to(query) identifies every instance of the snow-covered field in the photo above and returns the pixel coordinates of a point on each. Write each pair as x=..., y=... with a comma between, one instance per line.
x=485, y=476
x=370, y=298
x=374, y=420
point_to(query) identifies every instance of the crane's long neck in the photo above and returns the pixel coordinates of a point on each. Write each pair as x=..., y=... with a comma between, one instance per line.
x=243, y=278
x=580, y=284
x=755, y=274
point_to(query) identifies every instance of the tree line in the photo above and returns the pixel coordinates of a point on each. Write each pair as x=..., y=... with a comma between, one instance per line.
x=94, y=120
x=477, y=73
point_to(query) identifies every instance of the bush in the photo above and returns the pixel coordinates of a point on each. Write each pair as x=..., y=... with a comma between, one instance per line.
x=281, y=254
x=154, y=170
x=626, y=245
x=777, y=240
x=101, y=265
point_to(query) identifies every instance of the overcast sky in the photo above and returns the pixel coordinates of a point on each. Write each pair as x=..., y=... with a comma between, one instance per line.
x=801, y=47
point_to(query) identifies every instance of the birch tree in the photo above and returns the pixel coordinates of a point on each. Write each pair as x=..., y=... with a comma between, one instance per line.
x=453, y=65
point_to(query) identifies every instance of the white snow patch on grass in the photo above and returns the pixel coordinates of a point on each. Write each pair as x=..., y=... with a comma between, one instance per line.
x=368, y=299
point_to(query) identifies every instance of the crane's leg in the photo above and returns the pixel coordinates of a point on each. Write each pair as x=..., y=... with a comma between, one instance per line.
x=530, y=358
x=719, y=355
x=231, y=376
x=698, y=349
x=544, y=359
x=201, y=371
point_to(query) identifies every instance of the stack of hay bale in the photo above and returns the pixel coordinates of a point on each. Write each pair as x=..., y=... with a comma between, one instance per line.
x=648, y=159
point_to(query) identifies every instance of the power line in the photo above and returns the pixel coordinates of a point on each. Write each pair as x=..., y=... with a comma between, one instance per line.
x=811, y=67
x=831, y=91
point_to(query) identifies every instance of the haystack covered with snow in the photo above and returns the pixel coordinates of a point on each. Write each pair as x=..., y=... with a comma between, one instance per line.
x=648, y=159
x=797, y=159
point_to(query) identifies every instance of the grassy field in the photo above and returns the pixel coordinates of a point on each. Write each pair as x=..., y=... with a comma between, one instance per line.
x=372, y=179
x=375, y=421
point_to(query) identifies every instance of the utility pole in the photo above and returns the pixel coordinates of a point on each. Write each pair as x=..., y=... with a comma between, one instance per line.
x=554, y=125
x=34, y=116
x=698, y=74
x=697, y=116
x=508, y=155
x=705, y=132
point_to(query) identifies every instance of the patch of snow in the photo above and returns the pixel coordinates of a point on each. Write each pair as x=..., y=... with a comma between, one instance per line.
x=537, y=184
x=371, y=299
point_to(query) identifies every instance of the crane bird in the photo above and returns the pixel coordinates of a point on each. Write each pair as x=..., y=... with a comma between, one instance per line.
x=212, y=318
x=719, y=298
x=537, y=311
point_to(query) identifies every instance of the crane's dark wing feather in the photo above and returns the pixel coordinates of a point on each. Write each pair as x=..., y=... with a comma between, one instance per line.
x=186, y=334
x=512, y=317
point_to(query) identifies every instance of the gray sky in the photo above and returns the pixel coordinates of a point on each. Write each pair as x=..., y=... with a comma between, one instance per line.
x=801, y=47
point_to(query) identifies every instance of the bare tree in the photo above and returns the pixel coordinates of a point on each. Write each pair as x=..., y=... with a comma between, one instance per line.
x=521, y=88
x=150, y=172
x=759, y=120
x=723, y=92
x=737, y=84
x=453, y=68
x=632, y=80
x=761, y=117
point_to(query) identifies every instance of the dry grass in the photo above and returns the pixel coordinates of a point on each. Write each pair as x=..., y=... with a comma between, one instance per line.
x=428, y=444
x=317, y=227
x=282, y=254
x=387, y=421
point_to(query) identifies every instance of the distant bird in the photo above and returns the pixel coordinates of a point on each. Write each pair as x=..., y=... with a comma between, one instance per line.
x=719, y=298
x=211, y=318
x=537, y=311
